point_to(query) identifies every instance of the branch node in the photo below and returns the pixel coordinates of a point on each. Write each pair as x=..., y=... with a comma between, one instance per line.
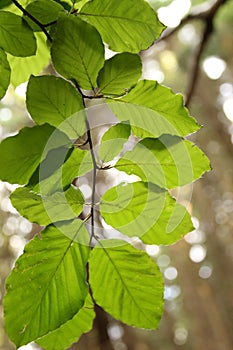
x=26, y=13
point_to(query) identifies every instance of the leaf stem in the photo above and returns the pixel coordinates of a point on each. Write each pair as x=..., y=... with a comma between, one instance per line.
x=49, y=24
x=26, y=13
x=95, y=165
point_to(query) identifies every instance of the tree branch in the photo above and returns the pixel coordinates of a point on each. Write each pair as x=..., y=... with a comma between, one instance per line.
x=101, y=324
x=194, y=71
x=206, y=13
x=200, y=12
x=26, y=13
x=95, y=166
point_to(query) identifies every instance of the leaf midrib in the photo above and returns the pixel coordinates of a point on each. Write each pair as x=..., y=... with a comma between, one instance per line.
x=17, y=38
x=122, y=280
x=50, y=281
x=118, y=18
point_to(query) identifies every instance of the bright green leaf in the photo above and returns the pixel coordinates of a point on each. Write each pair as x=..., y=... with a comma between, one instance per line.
x=69, y=332
x=16, y=37
x=5, y=73
x=48, y=285
x=23, y=67
x=113, y=141
x=126, y=283
x=166, y=110
x=78, y=164
x=80, y=3
x=77, y=51
x=144, y=121
x=172, y=225
x=44, y=210
x=55, y=101
x=119, y=74
x=165, y=103
x=12, y=8
x=168, y=161
x=20, y=155
x=146, y=211
x=45, y=11
x=124, y=25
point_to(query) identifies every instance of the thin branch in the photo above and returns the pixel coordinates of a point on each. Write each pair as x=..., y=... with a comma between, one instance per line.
x=49, y=24
x=26, y=13
x=95, y=166
x=205, y=12
x=208, y=17
x=194, y=71
x=55, y=21
x=90, y=97
x=76, y=144
x=200, y=12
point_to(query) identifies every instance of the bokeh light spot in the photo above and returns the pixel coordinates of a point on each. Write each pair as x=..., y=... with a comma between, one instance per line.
x=21, y=90
x=228, y=108
x=170, y=273
x=152, y=250
x=197, y=253
x=205, y=271
x=163, y=260
x=180, y=336
x=214, y=67
x=5, y=114
x=172, y=14
x=172, y=292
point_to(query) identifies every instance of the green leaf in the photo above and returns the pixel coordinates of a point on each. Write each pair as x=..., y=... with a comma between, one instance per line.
x=122, y=24
x=70, y=332
x=55, y=101
x=77, y=51
x=166, y=112
x=5, y=73
x=16, y=37
x=44, y=210
x=80, y=3
x=48, y=285
x=119, y=74
x=67, y=4
x=172, y=225
x=4, y=3
x=78, y=164
x=45, y=11
x=126, y=283
x=53, y=161
x=20, y=155
x=146, y=211
x=168, y=161
x=23, y=67
x=144, y=121
x=113, y=141
x=12, y=8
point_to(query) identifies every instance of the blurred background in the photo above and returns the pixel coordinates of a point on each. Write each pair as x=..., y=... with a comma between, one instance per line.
x=194, y=57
